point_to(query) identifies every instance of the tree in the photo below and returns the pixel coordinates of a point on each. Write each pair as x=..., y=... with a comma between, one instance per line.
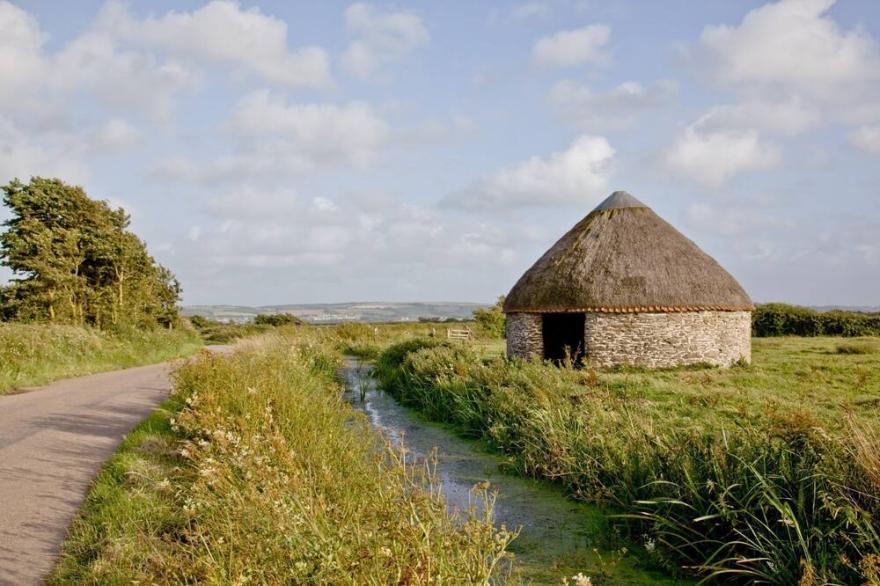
x=491, y=320
x=75, y=261
x=277, y=319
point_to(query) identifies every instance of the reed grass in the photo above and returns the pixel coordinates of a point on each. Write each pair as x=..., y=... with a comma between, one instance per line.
x=749, y=475
x=35, y=354
x=257, y=471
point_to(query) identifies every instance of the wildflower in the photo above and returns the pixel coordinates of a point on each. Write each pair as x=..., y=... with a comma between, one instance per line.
x=581, y=580
x=384, y=552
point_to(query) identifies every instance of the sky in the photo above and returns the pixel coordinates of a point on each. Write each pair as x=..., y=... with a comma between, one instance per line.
x=295, y=152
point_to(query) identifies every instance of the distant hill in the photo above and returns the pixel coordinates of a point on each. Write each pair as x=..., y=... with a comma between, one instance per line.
x=862, y=308
x=371, y=311
x=339, y=312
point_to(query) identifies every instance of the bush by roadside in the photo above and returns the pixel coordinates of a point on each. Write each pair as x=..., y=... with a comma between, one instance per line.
x=35, y=354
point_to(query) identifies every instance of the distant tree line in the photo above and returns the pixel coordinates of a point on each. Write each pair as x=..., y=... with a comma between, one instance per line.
x=75, y=262
x=780, y=319
x=277, y=319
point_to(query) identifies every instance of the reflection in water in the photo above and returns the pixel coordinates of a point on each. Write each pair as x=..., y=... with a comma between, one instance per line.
x=559, y=536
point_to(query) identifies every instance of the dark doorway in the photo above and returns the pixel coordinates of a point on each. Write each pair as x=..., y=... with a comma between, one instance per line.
x=564, y=336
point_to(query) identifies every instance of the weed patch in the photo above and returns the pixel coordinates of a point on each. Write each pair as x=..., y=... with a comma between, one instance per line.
x=258, y=471
x=34, y=354
x=726, y=478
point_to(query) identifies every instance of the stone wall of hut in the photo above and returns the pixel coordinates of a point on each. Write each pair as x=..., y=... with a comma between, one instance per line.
x=658, y=340
x=524, y=336
x=653, y=340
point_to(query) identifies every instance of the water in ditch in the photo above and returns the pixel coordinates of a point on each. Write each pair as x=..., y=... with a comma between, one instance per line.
x=559, y=536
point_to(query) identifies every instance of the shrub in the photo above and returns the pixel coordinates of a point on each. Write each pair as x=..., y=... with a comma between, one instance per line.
x=491, y=320
x=779, y=319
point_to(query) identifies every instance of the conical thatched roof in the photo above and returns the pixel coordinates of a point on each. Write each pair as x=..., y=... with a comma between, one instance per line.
x=624, y=258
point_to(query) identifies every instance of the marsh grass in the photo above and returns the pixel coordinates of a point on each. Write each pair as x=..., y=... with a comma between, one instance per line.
x=761, y=473
x=257, y=471
x=34, y=354
x=857, y=348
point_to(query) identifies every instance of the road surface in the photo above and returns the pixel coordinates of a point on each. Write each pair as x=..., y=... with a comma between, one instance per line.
x=53, y=442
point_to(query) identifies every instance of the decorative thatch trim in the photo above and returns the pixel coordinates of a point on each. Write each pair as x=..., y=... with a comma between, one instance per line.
x=644, y=309
x=624, y=258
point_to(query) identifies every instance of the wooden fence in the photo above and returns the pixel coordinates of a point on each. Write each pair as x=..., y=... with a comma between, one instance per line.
x=464, y=334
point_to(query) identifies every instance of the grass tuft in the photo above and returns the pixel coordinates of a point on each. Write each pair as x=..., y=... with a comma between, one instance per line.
x=35, y=354
x=856, y=348
x=257, y=471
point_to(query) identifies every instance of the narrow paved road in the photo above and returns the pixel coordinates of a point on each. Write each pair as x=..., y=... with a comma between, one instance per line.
x=53, y=442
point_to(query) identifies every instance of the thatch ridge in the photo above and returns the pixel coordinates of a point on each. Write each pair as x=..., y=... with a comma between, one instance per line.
x=625, y=259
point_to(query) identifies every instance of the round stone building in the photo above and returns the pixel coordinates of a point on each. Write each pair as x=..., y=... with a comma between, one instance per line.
x=625, y=287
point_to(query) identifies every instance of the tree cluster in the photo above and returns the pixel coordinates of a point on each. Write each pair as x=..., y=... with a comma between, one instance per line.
x=76, y=262
x=277, y=319
x=780, y=319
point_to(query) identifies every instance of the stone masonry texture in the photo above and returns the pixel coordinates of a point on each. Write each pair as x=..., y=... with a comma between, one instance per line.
x=653, y=340
x=524, y=336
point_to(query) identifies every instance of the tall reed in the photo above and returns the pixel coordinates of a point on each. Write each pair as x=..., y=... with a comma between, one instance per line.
x=267, y=476
x=775, y=500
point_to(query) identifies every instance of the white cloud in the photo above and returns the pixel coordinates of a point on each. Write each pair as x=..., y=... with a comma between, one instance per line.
x=713, y=157
x=792, y=43
x=380, y=38
x=270, y=138
x=529, y=10
x=324, y=205
x=615, y=107
x=115, y=135
x=49, y=154
x=572, y=48
x=867, y=138
x=249, y=203
x=433, y=132
x=265, y=229
x=575, y=176
x=789, y=117
x=223, y=33
x=92, y=66
x=21, y=59
x=126, y=81
x=316, y=134
x=322, y=132
x=739, y=218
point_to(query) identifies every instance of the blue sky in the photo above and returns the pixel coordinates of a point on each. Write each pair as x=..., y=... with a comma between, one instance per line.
x=280, y=152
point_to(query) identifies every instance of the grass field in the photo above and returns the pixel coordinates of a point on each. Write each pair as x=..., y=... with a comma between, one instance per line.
x=256, y=471
x=35, y=354
x=767, y=472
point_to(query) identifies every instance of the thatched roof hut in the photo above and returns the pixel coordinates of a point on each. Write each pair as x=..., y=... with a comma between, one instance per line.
x=624, y=259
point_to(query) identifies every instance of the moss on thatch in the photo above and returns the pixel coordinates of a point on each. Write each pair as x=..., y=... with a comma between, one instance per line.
x=624, y=258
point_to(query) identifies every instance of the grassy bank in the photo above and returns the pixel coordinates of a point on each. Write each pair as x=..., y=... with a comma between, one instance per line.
x=762, y=473
x=34, y=354
x=257, y=471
